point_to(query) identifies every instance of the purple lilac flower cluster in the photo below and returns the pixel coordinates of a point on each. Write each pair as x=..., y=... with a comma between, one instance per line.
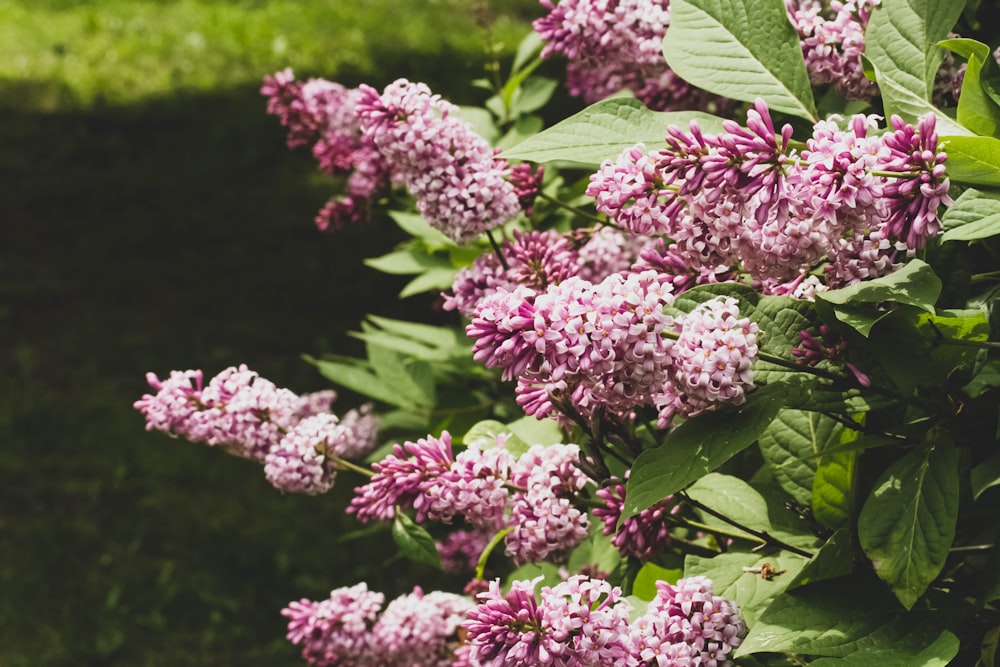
x=460, y=184
x=642, y=535
x=403, y=136
x=745, y=198
x=584, y=621
x=610, y=346
x=833, y=46
x=296, y=437
x=538, y=260
x=488, y=488
x=323, y=114
x=614, y=45
x=347, y=630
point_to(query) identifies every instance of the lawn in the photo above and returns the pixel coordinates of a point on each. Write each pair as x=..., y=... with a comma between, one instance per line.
x=154, y=220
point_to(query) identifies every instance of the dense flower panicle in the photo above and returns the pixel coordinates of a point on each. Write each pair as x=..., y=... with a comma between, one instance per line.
x=403, y=478
x=913, y=202
x=509, y=630
x=474, y=487
x=615, y=45
x=684, y=275
x=176, y=401
x=419, y=629
x=590, y=618
x=335, y=632
x=833, y=46
x=686, y=624
x=359, y=431
x=713, y=357
x=643, y=535
x=299, y=463
x=460, y=184
x=631, y=191
x=862, y=256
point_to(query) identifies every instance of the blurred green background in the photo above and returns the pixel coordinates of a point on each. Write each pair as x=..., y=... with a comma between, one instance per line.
x=153, y=220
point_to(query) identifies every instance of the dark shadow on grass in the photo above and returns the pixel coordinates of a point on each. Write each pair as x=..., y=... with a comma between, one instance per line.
x=173, y=234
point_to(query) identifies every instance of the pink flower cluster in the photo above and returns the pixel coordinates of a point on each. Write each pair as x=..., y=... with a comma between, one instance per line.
x=347, y=630
x=323, y=114
x=744, y=198
x=539, y=259
x=403, y=136
x=460, y=184
x=584, y=621
x=833, y=46
x=294, y=436
x=610, y=346
x=614, y=45
x=487, y=487
x=642, y=535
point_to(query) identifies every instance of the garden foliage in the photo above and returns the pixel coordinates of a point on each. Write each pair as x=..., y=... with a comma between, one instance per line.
x=726, y=387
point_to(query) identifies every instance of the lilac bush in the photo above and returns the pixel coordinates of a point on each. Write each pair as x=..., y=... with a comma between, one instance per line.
x=719, y=380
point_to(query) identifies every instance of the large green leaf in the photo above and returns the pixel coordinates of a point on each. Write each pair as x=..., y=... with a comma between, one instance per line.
x=909, y=650
x=361, y=379
x=914, y=284
x=976, y=110
x=901, y=44
x=833, y=488
x=742, y=49
x=410, y=377
x=791, y=446
x=736, y=576
x=603, y=130
x=836, y=618
x=907, y=525
x=732, y=497
x=644, y=586
x=834, y=559
x=985, y=476
x=699, y=446
x=974, y=215
x=972, y=160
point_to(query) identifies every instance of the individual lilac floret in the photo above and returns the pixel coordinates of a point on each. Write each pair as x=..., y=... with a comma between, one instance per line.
x=713, y=357
x=419, y=629
x=643, y=535
x=508, y=630
x=686, y=624
x=460, y=184
x=404, y=478
x=915, y=197
x=335, y=632
x=833, y=47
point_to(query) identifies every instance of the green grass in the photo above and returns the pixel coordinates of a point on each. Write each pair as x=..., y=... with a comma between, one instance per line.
x=61, y=53
x=153, y=219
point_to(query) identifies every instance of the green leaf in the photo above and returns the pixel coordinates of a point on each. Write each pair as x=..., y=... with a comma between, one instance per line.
x=975, y=215
x=360, y=379
x=985, y=476
x=699, y=446
x=484, y=434
x=833, y=487
x=438, y=278
x=537, y=431
x=533, y=94
x=732, y=497
x=605, y=129
x=414, y=542
x=833, y=618
x=481, y=121
x=910, y=650
x=749, y=589
x=417, y=227
x=907, y=525
x=644, y=586
x=408, y=261
x=529, y=48
x=742, y=49
x=791, y=446
x=901, y=44
x=438, y=337
x=834, y=559
x=972, y=160
x=411, y=378
x=915, y=284
x=976, y=110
